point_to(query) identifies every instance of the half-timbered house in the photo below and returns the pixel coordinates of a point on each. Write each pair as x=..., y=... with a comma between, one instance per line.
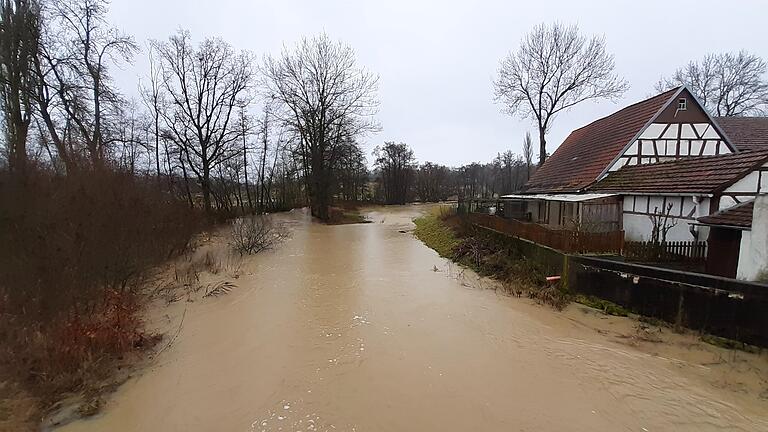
x=664, y=156
x=667, y=127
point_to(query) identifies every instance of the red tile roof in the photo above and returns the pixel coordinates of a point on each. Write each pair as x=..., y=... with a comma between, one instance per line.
x=737, y=216
x=746, y=133
x=703, y=174
x=587, y=151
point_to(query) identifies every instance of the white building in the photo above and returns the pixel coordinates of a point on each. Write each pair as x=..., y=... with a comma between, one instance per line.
x=661, y=157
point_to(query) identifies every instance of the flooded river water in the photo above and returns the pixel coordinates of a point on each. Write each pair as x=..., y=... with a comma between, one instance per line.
x=363, y=328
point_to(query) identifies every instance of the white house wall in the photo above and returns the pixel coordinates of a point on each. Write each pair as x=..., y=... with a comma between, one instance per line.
x=745, y=188
x=661, y=142
x=683, y=212
x=753, y=252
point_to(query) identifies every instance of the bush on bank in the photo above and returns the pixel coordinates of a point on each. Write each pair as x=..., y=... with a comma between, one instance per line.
x=76, y=253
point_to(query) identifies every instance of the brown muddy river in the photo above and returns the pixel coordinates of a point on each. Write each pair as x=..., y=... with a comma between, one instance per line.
x=352, y=328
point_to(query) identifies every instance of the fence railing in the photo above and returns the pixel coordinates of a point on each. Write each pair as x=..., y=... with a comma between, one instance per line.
x=563, y=240
x=675, y=251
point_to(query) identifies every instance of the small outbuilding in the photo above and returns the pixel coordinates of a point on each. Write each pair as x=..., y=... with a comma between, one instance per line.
x=738, y=240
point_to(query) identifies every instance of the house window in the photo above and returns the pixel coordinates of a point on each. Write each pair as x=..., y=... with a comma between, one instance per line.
x=682, y=104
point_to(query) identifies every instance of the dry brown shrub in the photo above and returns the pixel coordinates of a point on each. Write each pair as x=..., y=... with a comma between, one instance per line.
x=254, y=234
x=76, y=253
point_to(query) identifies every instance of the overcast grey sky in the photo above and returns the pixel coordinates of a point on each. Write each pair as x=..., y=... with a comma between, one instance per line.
x=437, y=59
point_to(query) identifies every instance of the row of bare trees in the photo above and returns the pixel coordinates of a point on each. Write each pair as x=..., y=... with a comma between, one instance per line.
x=197, y=127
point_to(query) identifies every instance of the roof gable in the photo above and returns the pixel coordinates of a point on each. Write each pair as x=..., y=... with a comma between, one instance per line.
x=675, y=121
x=589, y=150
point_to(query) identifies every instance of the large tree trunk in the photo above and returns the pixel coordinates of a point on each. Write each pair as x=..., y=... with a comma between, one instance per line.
x=319, y=194
x=186, y=181
x=542, y=146
x=206, y=187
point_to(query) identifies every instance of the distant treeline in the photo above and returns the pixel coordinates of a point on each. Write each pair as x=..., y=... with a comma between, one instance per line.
x=397, y=178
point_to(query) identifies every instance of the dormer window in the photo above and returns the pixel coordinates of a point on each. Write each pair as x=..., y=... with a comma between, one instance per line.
x=682, y=104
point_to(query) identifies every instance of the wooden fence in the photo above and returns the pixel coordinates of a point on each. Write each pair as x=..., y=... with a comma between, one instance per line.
x=563, y=240
x=676, y=251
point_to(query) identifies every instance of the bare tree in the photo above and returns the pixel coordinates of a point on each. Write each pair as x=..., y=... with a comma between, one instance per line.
x=728, y=84
x=555, y=68
x=528, y=154
x=351, y=172
x=77, y=52
x=264, y=135
x=661, y=223
x=326, y=100
x=153, y=100
x=244, y=122
x=19, y=37
x=433, y=182
x=396, y=164
x=204, y=87
x=129, y=142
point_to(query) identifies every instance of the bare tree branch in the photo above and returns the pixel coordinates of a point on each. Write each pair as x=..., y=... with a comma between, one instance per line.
x=554, y=69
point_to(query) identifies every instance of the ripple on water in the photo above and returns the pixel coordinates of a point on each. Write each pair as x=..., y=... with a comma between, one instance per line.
x=294, y=416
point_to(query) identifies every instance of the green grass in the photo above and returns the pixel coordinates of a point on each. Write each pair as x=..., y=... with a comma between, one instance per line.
x=730, y=344
x=607, y=307
x=342, y=216
x=435, y=234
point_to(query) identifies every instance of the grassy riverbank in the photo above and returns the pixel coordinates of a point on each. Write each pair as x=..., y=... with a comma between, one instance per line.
x=462, y=243
x=436, y=234
x=452, y=238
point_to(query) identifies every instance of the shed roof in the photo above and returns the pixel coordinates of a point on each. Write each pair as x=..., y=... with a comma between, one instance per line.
x=746, y=133
x=587, y=151
x=704, y=174
x=560, y=197
x=738, y=216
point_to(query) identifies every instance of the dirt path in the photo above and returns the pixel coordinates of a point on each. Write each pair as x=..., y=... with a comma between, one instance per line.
x=351, y=328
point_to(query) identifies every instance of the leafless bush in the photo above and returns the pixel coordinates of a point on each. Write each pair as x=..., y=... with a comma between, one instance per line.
x=76, y=253
x=251, y=235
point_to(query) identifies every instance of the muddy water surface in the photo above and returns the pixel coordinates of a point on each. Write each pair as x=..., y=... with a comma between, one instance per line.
x=352, y=328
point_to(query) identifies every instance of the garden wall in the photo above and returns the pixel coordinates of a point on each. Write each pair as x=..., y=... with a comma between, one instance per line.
x=715, y=305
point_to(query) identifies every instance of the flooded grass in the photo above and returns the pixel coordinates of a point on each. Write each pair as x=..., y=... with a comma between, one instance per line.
x=730, y=344
x=447, y=234
x=604, y=306
x=346, y=213
x=436, y=234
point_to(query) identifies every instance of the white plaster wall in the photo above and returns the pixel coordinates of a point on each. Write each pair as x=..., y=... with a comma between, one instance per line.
x=747, y=184
x=726, y=202
x=753, y=253
x=638, y=228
